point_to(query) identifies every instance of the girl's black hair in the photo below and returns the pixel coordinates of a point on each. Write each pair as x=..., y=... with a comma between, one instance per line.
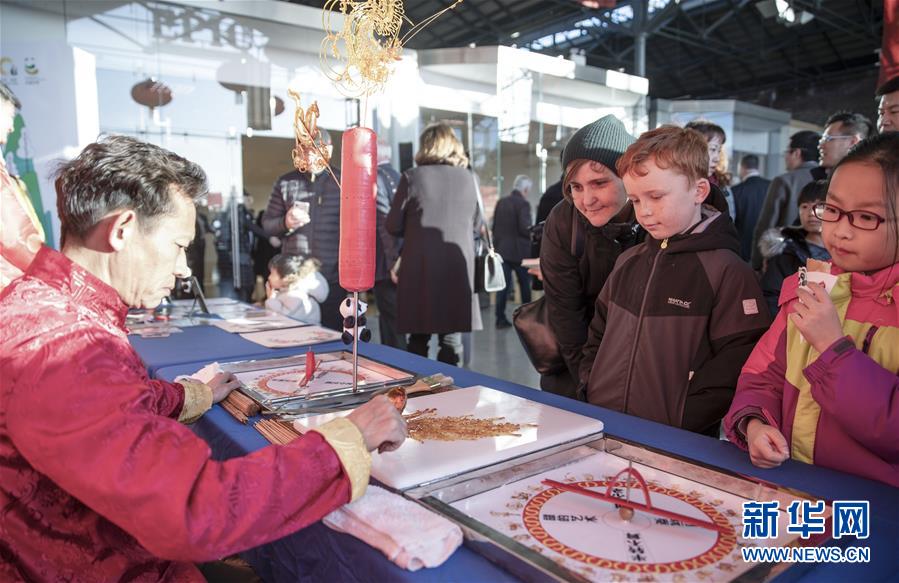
x=882, y=150
x=293, y=267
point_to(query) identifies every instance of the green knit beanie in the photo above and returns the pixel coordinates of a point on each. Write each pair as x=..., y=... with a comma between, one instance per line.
x=603, y=141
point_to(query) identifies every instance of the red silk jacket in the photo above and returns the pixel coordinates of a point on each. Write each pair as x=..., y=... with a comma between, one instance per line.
x=98, y=479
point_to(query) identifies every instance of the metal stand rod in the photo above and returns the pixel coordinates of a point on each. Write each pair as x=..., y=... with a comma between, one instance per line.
x=355, y=341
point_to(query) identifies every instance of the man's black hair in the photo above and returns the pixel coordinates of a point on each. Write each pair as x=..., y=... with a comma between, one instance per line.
x=120, y=172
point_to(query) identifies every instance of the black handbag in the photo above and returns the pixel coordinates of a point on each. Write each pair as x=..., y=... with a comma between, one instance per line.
x=531, y=320
x=488, y=264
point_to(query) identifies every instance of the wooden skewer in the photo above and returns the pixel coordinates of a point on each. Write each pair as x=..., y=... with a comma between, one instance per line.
x=234, y=411
x=637, y=506
x=275, y=431
x=242, y=403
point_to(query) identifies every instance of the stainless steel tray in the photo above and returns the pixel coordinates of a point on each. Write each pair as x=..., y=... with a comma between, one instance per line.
x=339, y=396
x=516, y=550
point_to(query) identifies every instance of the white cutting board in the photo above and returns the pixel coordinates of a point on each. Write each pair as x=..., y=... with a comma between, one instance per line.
x=417, y=463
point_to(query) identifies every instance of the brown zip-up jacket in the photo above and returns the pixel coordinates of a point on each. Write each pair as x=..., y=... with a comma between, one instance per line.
x=673, y=326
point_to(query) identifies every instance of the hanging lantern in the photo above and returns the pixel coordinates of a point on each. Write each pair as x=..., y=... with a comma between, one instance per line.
x=277, y=105
x=151, y=93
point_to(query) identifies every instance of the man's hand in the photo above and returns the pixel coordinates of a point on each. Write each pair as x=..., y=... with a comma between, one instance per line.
x=381, y=425
x=767, y=445
x=535, y=271
x=222, y=384
x=816, y=317
x=296, y=217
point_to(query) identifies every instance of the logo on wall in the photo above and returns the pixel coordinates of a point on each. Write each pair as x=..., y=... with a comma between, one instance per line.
x=30, y=66
x=10, y=71
x=8, y=67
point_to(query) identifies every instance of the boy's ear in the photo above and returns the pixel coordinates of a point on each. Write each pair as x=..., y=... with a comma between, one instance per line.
x=703, y=187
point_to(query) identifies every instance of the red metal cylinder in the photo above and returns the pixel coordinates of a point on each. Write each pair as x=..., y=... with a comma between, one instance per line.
x=358, y=194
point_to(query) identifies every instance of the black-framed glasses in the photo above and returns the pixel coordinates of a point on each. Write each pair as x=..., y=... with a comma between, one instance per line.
x=864, y=220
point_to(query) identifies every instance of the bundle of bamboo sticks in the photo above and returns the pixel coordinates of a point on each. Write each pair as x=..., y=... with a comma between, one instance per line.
x=240, y=406
x=277, y=432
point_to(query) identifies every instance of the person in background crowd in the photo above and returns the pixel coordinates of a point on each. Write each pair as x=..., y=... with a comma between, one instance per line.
x=21, y=232
x=512, y=240
x=800, y=244
x=304, y=211
x=888, y=108
x=247, y=232
x=781, y=203
x=196, y=253
x=108, y=484
x=749, y=197
x=267, y=246
x=821, y=386
x=295, y=288
x=842, y=130
x=680, y=313
x=718, y=175
x=435, y=210
x=550, y=198
x=583, y=236
x=387, y=252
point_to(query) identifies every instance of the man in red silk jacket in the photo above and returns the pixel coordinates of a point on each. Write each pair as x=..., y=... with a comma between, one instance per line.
x=99, y=478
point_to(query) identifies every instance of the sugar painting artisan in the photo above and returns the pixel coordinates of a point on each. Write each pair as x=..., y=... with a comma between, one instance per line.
x=100, y=479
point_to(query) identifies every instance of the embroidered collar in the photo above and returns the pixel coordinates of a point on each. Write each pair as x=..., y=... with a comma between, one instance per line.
x=85, y=289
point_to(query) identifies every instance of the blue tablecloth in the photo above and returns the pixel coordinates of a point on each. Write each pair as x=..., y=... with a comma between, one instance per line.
x=201, y=344
x=321, y=554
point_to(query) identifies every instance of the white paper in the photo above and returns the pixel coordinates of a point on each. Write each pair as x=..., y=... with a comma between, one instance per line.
x=266, y=320
x=286, y=337
x=205, y=374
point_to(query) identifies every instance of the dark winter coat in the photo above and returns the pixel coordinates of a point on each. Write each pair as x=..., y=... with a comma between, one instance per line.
x=512, y=227
x=749, y=198
x=781, y=208
x=320, y=238
x=548, y=200
x=573, y=280
x=673, y=325
x=435, y=210
x=795, y=253
x=388, y=246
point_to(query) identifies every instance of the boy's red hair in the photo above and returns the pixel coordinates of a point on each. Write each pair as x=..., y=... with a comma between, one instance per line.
x=669, y=146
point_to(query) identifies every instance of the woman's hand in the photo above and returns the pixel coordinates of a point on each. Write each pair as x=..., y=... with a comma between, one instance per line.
x=816, y=317
x=767, y=445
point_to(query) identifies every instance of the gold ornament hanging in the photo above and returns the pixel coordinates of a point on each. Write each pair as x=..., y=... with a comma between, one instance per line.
x=309, y=153
x=359, y=58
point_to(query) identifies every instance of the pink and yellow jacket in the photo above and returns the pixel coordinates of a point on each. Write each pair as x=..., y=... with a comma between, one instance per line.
x=838, y=409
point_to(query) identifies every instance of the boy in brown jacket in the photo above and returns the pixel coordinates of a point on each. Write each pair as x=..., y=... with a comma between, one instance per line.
x=681, y=312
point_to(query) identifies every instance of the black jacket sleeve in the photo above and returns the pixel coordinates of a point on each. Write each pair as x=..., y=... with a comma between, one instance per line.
x=273, y=218
x=565, y=297
x=396, y=223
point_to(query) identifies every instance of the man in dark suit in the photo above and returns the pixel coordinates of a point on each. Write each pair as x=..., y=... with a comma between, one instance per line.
x=749, y=198
x=512, y=239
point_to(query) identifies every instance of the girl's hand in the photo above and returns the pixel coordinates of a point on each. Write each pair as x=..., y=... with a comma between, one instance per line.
x=816, y=317
x=269, y=292
x=767, y=445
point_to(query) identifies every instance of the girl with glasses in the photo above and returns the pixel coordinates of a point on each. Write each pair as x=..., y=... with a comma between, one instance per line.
x=822, y=386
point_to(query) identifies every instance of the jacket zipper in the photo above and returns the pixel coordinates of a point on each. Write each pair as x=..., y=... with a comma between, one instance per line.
x=630, y=363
